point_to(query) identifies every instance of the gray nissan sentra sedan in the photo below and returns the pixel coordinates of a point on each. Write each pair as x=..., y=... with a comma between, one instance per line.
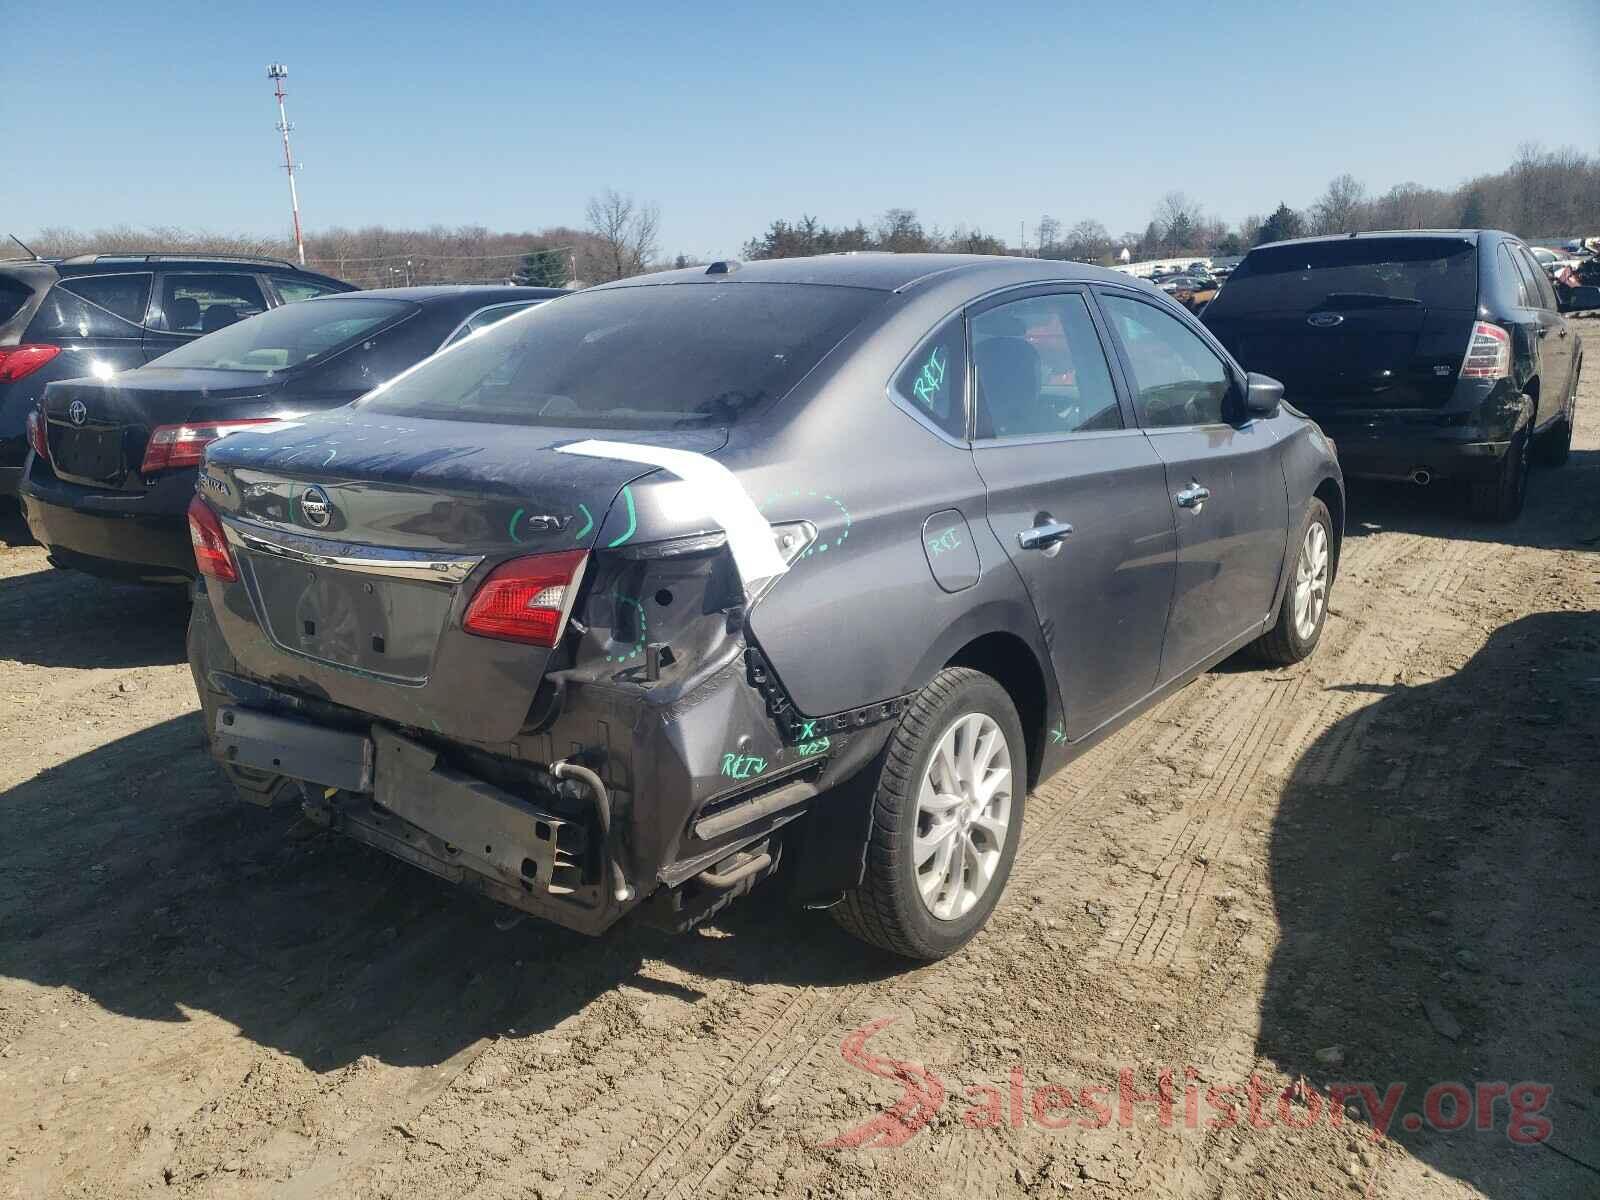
x=803, y=569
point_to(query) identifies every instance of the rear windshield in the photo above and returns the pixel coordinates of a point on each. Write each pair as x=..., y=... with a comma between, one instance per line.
x=653, y=357
x=1357, y=273
x=287, y=337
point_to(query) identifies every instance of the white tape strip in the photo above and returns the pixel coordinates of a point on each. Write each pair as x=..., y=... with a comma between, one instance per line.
x=712, y=490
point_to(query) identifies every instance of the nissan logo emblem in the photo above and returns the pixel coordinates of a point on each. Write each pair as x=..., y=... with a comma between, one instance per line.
x=78, y=412
x=1325, y=320
x=316, y=508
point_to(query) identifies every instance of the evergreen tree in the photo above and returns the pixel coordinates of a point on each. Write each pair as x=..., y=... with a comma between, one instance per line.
x=543, y=268
x=1284, y=223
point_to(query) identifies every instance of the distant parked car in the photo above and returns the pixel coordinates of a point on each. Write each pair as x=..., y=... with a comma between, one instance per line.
x=99, y=313
x=114, y=458
x=557, y=616
x=1426, y=355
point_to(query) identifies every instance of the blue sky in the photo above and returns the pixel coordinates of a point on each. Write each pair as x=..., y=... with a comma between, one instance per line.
x=511, y=115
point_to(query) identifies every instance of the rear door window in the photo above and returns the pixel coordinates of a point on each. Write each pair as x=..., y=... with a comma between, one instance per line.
x=1540, y=293
x=1178, y=379
x=125, y=295
x=1353, y=273
x=1041, y=370
x=74, y=308
x=206, y=303
x=933, y=383
x=1515, y=278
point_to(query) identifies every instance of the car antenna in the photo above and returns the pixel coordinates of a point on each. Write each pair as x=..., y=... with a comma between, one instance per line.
x=24, y=245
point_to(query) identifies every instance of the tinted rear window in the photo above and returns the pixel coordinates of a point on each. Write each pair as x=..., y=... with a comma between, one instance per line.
x=1357, y=273
x=652, y=357
x=13, y=295
x=77, y=308
x=287, y=337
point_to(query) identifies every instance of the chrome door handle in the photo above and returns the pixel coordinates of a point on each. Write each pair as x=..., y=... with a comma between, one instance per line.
x=1041, y=536
x=1193, y=496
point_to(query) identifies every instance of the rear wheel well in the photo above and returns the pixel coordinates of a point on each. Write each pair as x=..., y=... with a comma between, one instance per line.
x=1008, y=660
x=1333, y=499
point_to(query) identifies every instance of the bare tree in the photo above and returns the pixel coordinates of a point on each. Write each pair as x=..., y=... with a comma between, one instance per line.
x=1178, y=222
x=626, y=234
x=1342, y=208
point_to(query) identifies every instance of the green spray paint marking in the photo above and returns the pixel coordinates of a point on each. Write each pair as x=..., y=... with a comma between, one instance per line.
x=638, y=647
x=811, y=749
x=931, y=378
x=633, y=520
x=1056, y=736
x=512, y=528
x=588, y=522
x=794, y=493
x=742, y=766
x=942, y=542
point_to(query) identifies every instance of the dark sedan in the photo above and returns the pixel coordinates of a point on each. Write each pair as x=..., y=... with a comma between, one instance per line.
x=114, y=459
x=808, y=568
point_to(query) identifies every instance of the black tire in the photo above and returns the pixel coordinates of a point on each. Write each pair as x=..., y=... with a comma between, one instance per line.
x=1500, y=499
x=1283, y=643
x=1555, y=445
x=886, y=909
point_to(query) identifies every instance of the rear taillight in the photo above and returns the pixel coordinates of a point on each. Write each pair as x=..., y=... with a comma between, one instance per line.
x=210, y=543
x=18, y=362
x=38, y=438
x=527, y=599
x=1488, y=353
x=183, y=445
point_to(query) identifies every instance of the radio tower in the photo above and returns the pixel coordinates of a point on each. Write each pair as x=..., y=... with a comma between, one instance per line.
x=277, y=72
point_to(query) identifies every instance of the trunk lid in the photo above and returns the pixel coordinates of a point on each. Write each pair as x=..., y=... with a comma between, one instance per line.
x=98, y=429
x=1344, y=359
x=360, y=539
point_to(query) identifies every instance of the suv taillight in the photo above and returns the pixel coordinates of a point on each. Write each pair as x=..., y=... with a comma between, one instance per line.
x=210, y=543
x=1488, y=353
x=184, y=445
x=527, y=599
x=18, y=362
x=38, y=436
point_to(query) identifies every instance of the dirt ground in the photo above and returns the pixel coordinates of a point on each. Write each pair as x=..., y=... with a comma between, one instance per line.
x=1377, y=867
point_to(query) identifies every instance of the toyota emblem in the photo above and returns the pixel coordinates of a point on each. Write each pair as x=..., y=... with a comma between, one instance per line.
x=316, y=508
x=78, y=412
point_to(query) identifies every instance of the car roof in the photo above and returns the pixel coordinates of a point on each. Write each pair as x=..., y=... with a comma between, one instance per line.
x=489, y=292
x=1468, y=235
x=879, y=270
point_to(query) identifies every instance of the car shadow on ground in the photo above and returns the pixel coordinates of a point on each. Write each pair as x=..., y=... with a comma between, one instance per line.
x=134, y=877
x=1433, y=871
x=55, y=618
x=13, y=529
x=1561, y=511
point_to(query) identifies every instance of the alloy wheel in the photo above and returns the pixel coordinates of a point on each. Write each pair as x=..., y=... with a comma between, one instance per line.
x=963, y=812
x=1311, y=581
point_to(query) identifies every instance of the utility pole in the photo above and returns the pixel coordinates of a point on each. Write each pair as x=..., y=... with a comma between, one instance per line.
x=277, y=72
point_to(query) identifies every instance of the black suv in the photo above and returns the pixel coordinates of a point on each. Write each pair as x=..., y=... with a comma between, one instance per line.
x=100, y=313
x=1425, y=354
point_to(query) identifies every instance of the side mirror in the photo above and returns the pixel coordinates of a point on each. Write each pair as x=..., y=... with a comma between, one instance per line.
x=1263, y=395
x=1581, y=297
